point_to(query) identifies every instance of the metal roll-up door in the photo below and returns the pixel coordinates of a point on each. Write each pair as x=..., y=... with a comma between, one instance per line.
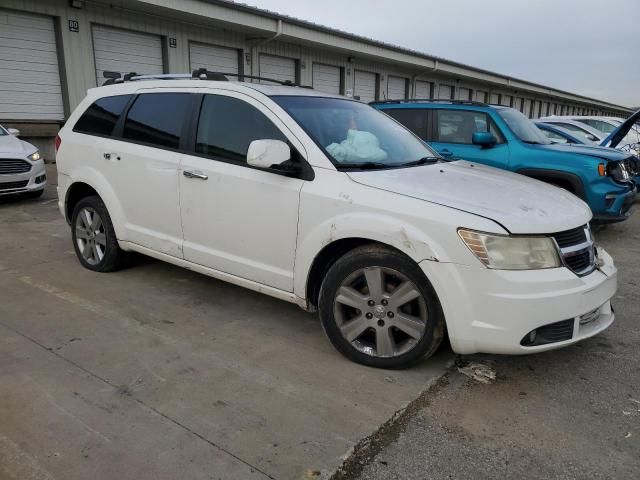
x=464, y=93
x=326, y=78
x=124, y=51
x=494, y=99
x=213, y=58
x=423, y=89
x=481, y=96
x=396, y=88
x=278, y=68
x=445, y=92
x=365, y=86
x=29, y=75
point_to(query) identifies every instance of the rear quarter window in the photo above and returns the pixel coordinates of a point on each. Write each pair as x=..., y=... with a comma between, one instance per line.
x=414, y=119
x=157, y=119
x=101, y=117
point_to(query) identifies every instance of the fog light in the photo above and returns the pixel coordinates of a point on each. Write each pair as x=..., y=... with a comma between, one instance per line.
x=41, y=178
x=532, y=337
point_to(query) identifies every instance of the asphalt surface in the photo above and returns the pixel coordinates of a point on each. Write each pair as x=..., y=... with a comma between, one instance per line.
x=568, y=414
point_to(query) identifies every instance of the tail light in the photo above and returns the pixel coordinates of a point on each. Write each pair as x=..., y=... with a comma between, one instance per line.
x=58, y=142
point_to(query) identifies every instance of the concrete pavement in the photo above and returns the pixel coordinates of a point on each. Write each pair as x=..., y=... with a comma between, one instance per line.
x=156, y=372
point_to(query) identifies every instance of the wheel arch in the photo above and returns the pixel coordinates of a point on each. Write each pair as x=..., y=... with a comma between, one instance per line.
x=556, y=176
x=91, y=183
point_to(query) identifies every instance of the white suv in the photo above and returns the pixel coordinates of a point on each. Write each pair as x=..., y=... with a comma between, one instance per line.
x=328, y=203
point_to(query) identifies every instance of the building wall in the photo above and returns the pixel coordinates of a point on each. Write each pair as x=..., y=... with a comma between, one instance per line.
x=78, y=66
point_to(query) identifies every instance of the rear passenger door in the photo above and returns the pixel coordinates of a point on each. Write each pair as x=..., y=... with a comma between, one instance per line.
x=236, y=218
x=142, y=165
x=452, y=135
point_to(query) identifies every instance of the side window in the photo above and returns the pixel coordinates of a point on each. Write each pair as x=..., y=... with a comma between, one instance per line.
x=227, y=126
x=157, y=119
x=458, y=126
x=414, y=119
x=101, y=117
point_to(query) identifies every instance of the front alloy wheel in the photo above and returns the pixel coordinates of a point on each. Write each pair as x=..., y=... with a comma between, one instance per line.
x=380, y=312
x=378, y=308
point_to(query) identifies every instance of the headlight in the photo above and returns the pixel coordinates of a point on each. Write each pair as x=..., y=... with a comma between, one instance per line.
x=35, y=156
x=618, y=171
x=511, y=253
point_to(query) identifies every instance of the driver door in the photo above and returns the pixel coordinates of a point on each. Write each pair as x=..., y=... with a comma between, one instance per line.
x=236, y=218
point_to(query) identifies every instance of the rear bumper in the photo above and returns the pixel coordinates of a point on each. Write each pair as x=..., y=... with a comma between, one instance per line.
x=31, y=181
x=492, y=311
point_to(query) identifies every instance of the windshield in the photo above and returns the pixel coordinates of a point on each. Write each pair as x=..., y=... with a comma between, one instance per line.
x=355, y=135
x=522, y=127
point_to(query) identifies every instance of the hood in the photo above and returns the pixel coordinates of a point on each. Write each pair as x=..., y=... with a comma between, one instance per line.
x=615, y=137
x=518, y=203
x=10, y=145
x=590, y=150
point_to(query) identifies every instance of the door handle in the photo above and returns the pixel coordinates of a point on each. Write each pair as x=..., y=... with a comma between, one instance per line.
x=195, y=174
x=446, y=153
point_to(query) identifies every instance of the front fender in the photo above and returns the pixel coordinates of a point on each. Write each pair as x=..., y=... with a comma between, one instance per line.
x=370, y=226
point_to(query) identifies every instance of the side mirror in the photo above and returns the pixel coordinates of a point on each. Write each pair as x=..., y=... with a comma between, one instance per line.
x=14, y=131
x=484, y=139
x=591, y=137
x=268, y=153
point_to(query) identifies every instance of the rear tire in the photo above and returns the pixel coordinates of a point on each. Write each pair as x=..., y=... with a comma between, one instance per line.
x=94, y=238
x=379, y=309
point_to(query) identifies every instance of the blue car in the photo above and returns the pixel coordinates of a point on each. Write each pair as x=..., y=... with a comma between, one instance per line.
x=503, y=137
x=559, y=134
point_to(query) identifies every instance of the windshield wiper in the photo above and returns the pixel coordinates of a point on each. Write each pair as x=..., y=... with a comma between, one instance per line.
x=532, y=142
x=422, y=161
x=365, y=165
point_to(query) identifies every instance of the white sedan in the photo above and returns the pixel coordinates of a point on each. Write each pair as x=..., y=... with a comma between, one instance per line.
x=21, y=166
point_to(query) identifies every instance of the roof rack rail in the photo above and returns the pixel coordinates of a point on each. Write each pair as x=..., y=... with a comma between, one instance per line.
x=431, y=100
x=199, y=74
x=204, y=74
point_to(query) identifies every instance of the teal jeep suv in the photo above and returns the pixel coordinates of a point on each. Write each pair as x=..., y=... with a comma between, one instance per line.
x=504, y=138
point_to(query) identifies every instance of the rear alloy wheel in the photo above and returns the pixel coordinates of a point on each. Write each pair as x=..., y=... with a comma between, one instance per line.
x=379, y=309
x=94, y=239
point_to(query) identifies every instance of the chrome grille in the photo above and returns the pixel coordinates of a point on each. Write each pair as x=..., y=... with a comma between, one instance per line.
x=577, y=249
x=10, y=166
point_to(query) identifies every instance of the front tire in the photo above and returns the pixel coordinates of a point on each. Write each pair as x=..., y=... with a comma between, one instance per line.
x=94, y=238
x=378, y=308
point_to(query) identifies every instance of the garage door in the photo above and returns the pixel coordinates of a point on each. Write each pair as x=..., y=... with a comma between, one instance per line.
x=29, y=76
x=396, y=88
x=480, y=96
x=423, y=89
x=278, y=68
x=464, y=93
x=213, y=58
x=445, y=92
x=365, y=86
x=124, y=51
x=326, y=78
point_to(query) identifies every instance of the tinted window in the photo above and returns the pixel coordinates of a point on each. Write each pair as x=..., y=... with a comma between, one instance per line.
x=227, y=126
x=458, y=126
x=414, y=119
x=102, y=115
x=157, y=118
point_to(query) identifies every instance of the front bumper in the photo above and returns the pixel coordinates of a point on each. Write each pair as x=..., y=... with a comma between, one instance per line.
x=31, y=181
x=619, y=207
x=491, y=311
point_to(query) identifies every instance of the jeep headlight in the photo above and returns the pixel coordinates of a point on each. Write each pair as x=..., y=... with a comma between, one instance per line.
x=505, y=252
x=35, y=156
